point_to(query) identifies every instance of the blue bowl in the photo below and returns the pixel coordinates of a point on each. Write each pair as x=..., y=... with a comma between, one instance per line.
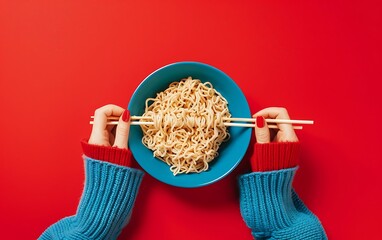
x=230, y=152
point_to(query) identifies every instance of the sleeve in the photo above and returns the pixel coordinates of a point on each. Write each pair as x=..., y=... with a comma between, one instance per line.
x=107, y=200
x=114, y=155
x=268, y=204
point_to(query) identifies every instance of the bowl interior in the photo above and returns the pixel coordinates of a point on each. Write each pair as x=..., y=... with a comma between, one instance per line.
x=230, y=152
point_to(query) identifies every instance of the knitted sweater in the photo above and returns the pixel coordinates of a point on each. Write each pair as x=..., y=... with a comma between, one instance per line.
x=268, y=204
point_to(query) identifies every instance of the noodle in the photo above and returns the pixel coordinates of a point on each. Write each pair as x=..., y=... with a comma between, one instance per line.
x=188, y=127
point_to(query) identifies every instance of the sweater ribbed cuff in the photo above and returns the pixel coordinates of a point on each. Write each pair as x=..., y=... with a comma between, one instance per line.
x=266, y=200
x=108, y=198
x=106, y=203
x=275, y=156
x=114, y=155
x=272, y=209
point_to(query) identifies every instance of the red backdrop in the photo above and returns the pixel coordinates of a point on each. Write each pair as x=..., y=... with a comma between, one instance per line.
x=59, y=60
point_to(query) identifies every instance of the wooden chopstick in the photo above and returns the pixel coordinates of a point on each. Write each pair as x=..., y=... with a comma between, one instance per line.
x=114, y=121
x=131, y=123
x=132, y=117
x=226, y=124
x=253, y=125
x=271, y=120
x=289, y=121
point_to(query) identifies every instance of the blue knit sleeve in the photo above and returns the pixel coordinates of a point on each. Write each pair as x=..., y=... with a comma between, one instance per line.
x=272, y=209
x=105, y=206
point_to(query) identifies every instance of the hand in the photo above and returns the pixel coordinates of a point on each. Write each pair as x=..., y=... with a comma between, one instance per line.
x=110, y=135
x=284, y=133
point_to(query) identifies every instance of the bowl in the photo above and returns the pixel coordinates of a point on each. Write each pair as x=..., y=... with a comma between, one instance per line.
x=230, y=152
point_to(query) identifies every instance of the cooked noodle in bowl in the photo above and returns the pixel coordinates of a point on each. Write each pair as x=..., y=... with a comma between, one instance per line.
x=188, y=125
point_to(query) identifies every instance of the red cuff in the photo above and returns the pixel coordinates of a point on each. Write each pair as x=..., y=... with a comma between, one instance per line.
x=109, y=154
x=275, y=156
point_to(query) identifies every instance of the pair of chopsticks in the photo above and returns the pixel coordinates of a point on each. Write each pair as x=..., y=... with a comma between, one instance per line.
x=242, y=122
x=272, y=123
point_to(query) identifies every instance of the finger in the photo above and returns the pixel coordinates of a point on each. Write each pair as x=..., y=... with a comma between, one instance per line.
x=261, y=130
x=100, y=129
x=286, y=132
x=276, y=113
x=273, y=112
x=123, y=129
x=101, y=114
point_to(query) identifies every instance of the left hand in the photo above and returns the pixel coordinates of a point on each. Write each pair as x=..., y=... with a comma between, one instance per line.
x=110, y=135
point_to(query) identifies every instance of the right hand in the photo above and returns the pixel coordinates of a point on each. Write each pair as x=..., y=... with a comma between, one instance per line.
x=285, y=131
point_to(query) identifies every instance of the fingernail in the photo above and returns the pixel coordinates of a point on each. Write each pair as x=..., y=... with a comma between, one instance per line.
x=260, y=121
x=126, y=115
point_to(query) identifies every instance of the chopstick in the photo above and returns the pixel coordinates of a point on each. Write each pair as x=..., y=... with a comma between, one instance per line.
x=271, y=120
x=253, y=125
x=114, y=121
x=290, y=121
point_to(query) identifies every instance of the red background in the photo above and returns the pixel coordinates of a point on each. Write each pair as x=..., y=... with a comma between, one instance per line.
x=60, y=60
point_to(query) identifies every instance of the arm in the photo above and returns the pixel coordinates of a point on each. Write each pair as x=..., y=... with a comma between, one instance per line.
x=268, y=203
x=111, y=186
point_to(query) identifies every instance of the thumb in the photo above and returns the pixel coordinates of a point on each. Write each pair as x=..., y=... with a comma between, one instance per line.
x=122, y=131
x=261, y=130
